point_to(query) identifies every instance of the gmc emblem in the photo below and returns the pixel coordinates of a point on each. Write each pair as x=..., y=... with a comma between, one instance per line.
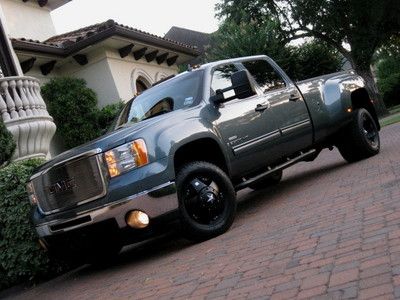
x=62, y=186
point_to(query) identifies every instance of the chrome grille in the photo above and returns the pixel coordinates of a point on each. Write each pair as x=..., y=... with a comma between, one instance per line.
x=70, y=184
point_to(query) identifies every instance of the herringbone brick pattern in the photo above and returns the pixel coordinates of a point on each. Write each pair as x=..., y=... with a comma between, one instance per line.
x=330, y=230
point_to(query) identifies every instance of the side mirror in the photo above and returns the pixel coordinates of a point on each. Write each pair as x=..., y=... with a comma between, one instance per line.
x=241, y=86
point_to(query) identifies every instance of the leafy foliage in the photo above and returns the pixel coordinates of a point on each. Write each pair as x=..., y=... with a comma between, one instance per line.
x=363, y=25
x=388, y=73
x=7, y=144
x=107, y=115
x=244, y=39
x=315, y=59
x=74, y=108
x=21, y=257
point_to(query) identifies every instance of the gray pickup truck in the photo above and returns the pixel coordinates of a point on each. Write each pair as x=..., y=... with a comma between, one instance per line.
x=181, y=150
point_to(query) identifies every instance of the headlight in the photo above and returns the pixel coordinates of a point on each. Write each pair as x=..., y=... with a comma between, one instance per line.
x=31, y=193
x=126, y=157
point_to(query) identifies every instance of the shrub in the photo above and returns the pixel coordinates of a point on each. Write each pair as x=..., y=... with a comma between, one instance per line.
x=74, y=108
x=7, y=144
x=107, y=115
x=21, y=257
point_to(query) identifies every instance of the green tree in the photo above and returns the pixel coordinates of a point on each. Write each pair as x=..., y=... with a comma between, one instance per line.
x=388, y=72
x=244, y=39
x=356, y=28
x=315, y=59
x=308, y=60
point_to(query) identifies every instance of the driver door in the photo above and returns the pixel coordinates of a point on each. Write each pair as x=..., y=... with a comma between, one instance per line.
x=243, y=129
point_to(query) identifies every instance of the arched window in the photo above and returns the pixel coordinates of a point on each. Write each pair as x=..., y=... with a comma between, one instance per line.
x=160, y=76
x=140, y=86
x=141, y=81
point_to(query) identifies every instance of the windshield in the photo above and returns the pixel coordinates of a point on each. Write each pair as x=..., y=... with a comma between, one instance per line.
x=182, y=91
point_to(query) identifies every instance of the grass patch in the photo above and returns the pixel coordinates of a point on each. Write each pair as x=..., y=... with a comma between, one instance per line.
x=395, y=118
x=394, y=109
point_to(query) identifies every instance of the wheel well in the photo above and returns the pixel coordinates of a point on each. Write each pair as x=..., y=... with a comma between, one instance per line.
x=200, y=150
x=361, y=99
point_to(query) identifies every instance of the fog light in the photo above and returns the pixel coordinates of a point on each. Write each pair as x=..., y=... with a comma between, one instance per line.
x=137, y=219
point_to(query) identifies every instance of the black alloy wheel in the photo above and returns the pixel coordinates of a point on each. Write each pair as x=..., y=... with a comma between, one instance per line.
x=207, y=200
x=360, y=139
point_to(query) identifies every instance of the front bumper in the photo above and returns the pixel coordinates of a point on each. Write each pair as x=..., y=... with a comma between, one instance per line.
x=155, y=202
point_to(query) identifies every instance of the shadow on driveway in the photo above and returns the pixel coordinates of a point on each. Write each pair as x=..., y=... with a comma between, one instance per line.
x=171, y=242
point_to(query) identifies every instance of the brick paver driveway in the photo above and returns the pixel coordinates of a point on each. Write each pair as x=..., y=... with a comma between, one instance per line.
x=329, y=230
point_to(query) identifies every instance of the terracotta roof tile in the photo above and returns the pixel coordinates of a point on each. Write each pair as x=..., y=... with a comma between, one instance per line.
x=85, y=32
x=73, y=41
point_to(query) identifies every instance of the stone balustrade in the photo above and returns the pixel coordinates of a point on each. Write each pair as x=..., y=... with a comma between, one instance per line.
x=25, y=115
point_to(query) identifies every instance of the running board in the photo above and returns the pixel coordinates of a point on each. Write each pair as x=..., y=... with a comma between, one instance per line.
x=286, y=164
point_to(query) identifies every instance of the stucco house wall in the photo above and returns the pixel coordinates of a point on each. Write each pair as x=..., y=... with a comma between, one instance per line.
x=112, y=78
x=27, y=19
x=127, y=70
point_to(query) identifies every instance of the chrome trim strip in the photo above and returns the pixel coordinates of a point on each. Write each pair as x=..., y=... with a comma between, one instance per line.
x=103, y=193
x=73, y=158
x=256, y=141
x=153, y=206
x=295, y=126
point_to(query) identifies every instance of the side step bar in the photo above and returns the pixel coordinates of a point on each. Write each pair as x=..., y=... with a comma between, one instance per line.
x=282, y=166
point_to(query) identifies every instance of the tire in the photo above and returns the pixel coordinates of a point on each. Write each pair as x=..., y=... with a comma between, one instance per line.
x=267, y=181
x=360, y=138
x=207, y=200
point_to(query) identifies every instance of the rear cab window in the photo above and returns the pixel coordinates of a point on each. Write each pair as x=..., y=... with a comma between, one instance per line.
x=265, y=75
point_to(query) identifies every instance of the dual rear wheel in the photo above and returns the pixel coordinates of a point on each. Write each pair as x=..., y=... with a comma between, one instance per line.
x=360, y=139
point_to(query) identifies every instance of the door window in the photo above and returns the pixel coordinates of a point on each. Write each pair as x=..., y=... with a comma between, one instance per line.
x=265, y=75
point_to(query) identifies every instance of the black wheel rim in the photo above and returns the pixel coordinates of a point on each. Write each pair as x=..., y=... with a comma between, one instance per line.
x=370, y=131
x=203, y=200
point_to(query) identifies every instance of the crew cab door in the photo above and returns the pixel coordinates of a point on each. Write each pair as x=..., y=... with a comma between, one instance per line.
x=287, y=106
x=242, y=127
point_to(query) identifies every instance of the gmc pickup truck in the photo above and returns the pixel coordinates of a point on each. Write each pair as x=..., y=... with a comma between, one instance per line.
x=182, y=149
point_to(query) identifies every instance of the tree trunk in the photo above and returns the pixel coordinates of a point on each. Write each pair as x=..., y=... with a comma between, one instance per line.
x=372, y=88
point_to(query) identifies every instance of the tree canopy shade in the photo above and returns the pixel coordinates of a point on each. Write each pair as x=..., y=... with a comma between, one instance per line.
x=244, y=39
x=356, y=28
x=388, y=72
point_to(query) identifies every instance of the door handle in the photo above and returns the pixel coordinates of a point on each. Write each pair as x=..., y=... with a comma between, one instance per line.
x=262, y=107
x=294, y=97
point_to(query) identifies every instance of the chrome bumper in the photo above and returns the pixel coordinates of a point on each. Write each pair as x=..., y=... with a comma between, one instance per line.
x=155, y=202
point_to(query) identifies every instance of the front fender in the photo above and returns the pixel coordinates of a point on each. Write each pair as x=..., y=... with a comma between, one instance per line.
x=184, y=133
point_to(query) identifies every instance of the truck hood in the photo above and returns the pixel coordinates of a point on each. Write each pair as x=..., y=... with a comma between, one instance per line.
x=105, y=142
